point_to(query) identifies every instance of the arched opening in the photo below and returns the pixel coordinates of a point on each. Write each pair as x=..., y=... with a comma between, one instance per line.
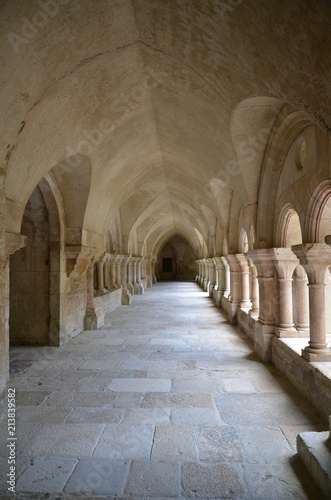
x=34, y=317
x=289, y=228
x=243, y=242
x=324, y=221
x=176, y=261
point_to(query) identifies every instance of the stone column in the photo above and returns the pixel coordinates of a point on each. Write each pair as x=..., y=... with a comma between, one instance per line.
x=118, y=270
x=94, y=317
x=265, y=326
x=254, y=290
x=106, y=272
x=153, y=261
x=138, y=275
x=234, y=297
x=303, y=305
x=149, y=275
x=245, y=302
x=226, y=292
x=285, y=262
x=212, y=277
x=315, y=259
x=134, y=275
x=130, y=276
x=126, y=295
x=220, y=281
x=100, y=275
x=202, y=273
x=112, y=271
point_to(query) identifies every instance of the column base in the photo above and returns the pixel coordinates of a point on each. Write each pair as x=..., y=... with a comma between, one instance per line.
x=286, y=332
x=141, y=289
x=303, y=331
x=94, y=319
x=126, y=297
x=316, y=354
x=210, y=289
x=232, y=313
x=254, y=313
x=217, y=295
x=149, y=283
x=263, y=335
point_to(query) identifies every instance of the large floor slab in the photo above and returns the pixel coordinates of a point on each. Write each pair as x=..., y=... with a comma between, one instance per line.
x=168, y=400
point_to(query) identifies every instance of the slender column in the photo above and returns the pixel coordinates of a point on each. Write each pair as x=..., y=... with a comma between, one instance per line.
x=219, y=278
x=153, y=269
x=234, y=297
x=303, y=304
x=100, y=283
x=94, y=317
x=315, y=258
x=112, y=271
x=149, y=276
x=245, y=302
x=126, y=295
x=118, y=271
x=206, y=274
x=130, y=276
x=134, y=276
x=106, y=272
x=226, y=278
x=285, y=262
x=138, y=275
x=212, y=277
x=254, y=290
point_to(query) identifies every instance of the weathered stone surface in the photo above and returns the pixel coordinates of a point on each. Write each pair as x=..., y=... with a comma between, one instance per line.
x=195, y=416
x=46, y=475
x=146, y=416
x=66, y=440
x=265, y=445
x=94, y=415
x=140, y=385
x=211, y=481
x=174, y=443
x=93, y=399
x=31, y=398
x=177, y=401
x=154, y=479
x=219, y=444
x=125, y=442
x=98, y=476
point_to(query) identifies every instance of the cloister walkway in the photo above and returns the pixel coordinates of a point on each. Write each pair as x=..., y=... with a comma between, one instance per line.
x=167, y=400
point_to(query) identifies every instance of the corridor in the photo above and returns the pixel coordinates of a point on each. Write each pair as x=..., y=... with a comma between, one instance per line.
x=167, y=400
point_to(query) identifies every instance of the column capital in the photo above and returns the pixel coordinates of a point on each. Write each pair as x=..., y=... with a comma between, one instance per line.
x=263, y=261
x=218, y=263
x=232, y=261
x=314, y=258
x=285, y=261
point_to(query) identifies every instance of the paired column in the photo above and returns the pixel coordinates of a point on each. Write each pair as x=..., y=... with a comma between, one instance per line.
x=254, y=290
x=212, y=277
x=315, y=259
x=126, y=295
x=285, y=262
x=94, y=317
x=245, y=302
x=235, y=294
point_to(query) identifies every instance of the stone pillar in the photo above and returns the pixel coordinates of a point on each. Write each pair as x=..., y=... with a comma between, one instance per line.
x=94, y=317
x=315, y=259
x=138, y=275
x=149, y=274
x=112, y=271
x=234, y=297
x=285, y=262
x=206, y=275
x=118, y=270
x=265, y=326
x=220, y=281
x=106, y=272
x=245, y=302
x=100, y=275
x=303, y=305
x=130, y=276
x=134, y=275
x=226, y=292
x=212, y=277
x=202, y=274
x=153, y=261
x=126, y=295
x=9, y=243
x=254, y=290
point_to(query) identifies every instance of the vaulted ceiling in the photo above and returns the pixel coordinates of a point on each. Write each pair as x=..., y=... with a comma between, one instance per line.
x=150, y=104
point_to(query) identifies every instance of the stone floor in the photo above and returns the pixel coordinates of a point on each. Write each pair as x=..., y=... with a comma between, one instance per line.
x=167, y=400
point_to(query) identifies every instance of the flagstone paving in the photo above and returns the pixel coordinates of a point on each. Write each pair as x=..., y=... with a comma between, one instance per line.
x=167, y=400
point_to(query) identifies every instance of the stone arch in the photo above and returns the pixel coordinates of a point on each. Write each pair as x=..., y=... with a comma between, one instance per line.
x=243, y=242
x=318, y=220
x=288, y=230
x=35, y=273
x=287, y=127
